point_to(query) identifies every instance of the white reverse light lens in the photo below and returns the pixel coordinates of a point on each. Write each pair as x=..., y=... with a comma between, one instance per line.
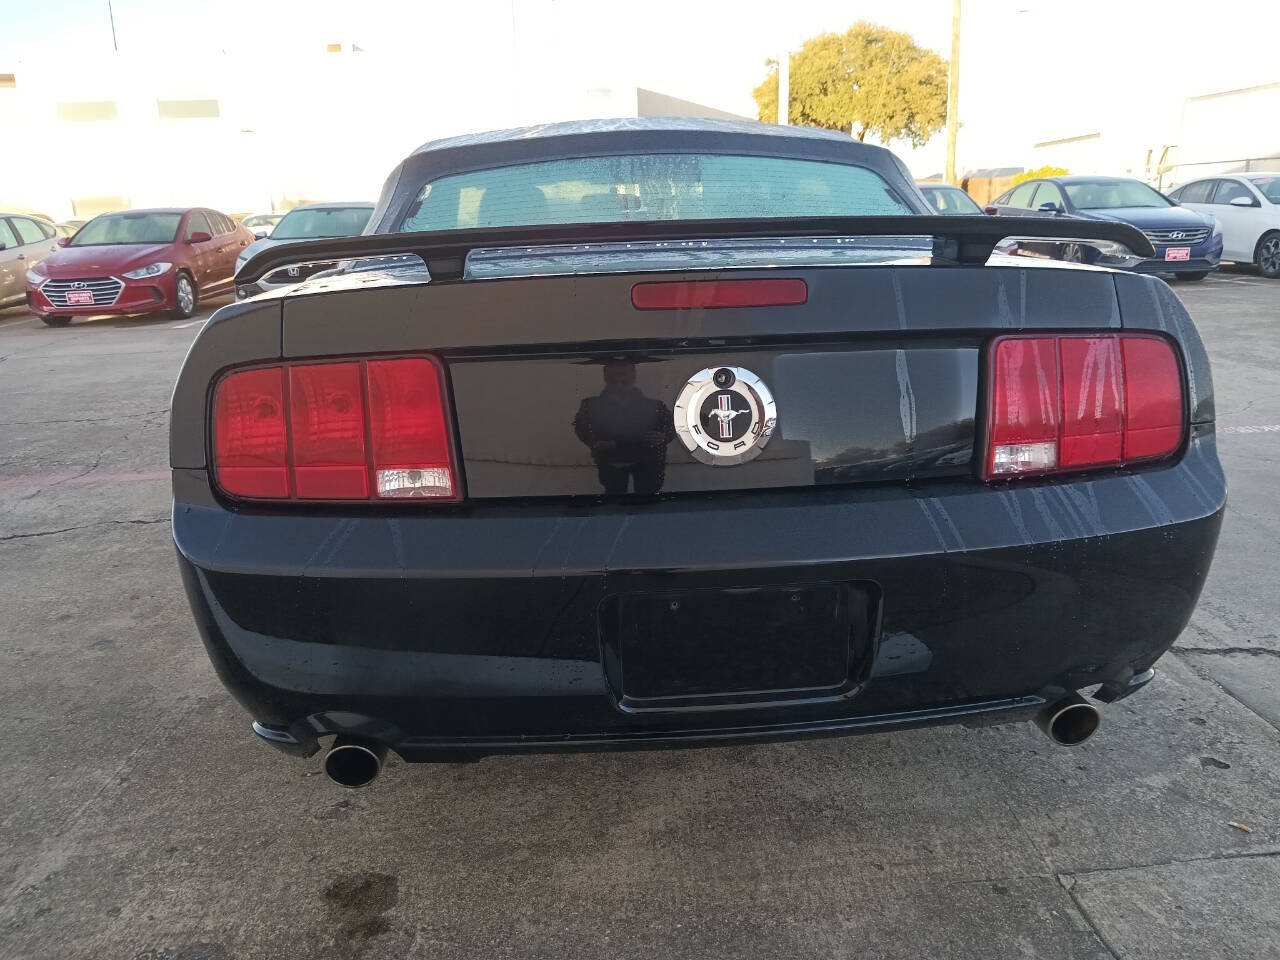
x=1014, y=458
x=426, y=482
x=150, y=270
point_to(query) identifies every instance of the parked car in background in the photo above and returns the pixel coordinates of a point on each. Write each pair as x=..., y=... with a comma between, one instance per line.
x=138, y=261
x=1188, y=244
x=1248, y=207
x=24, y=241
x=950, y=201
x=307, y=222
x=68, y=228
x=261, y=224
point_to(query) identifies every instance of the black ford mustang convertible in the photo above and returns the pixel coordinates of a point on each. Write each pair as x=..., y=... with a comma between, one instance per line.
x=664, y=433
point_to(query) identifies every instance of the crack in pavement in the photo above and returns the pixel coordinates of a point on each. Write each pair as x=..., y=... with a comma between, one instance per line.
x=140, y=521
x=112, y=419
x=1085, y=915
x=1225, y=651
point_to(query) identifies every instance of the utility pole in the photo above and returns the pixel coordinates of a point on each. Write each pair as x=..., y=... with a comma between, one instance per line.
x=784, y=86
x=953, y=93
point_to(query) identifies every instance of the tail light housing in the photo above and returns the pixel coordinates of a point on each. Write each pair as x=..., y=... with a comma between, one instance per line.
x=340, y=430
x=1081, y=402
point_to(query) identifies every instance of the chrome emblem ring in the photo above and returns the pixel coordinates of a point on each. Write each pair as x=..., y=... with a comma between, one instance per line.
x=725, y=416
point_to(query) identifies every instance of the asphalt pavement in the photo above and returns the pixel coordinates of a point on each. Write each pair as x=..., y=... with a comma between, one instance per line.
x=140, y=819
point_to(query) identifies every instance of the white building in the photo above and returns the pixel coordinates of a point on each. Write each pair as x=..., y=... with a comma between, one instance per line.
x=145, y=131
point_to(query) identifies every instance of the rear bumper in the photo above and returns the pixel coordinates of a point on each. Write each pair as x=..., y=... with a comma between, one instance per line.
x=483, y=628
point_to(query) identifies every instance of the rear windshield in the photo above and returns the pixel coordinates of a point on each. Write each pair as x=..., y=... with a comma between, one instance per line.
x=322, y=222
x=1270, y=187
x=1112, y=194
x=121, y=228
x=649, y=187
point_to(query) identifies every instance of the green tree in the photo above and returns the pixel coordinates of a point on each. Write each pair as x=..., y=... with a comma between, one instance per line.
x=866, y=80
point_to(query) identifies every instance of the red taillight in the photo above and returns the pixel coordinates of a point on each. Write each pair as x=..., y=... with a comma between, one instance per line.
x=345, y=430
x=1154, y=426
x=326, y=416
x=410, y=435
x=1080, y=403
x=711, y=294
x=250, y=440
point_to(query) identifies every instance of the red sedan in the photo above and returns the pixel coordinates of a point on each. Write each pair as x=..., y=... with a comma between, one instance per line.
x=138, y=261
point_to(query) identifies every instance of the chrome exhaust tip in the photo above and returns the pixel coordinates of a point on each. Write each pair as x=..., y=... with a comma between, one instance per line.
x=1070, y=721
x=354, y=763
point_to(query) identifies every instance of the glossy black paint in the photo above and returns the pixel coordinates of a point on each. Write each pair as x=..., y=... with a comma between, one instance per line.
x=478, y=629
x=538, y=613
x=876, y=426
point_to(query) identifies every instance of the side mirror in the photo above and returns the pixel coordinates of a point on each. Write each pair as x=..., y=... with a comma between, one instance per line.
x=199, y=237
x=64, y=241
x=990, y=210
x=1049, y=207
x=261, y=233
x=1243, y=202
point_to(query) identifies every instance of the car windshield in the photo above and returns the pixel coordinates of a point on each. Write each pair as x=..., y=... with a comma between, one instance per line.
x=322, y=222
x=261, y=220
x=1112, y=194
x=649, y=187
x=1268, y=186
x=951, y=201
x=122, y=228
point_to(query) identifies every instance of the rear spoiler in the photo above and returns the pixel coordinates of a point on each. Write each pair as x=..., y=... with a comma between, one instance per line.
x=956, y=240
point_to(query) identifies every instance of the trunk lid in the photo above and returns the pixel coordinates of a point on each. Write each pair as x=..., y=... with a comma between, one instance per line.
x=562, y=387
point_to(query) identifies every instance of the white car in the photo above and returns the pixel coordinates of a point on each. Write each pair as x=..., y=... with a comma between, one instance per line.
x=1248, y=207
x=261, y=224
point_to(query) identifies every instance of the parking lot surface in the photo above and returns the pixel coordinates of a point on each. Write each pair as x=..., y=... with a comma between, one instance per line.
x=140, y=818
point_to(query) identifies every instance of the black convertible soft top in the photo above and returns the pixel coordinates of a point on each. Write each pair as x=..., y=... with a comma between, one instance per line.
x=627, y=135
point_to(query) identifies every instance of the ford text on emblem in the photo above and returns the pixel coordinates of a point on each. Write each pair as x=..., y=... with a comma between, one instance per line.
x=725, y=415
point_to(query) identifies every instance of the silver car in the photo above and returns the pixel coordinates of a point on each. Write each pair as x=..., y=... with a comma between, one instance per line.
x=24, y=241
x=309, y=222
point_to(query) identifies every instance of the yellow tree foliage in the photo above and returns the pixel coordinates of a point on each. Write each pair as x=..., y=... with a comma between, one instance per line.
x=866, y=80
x=1038, y=173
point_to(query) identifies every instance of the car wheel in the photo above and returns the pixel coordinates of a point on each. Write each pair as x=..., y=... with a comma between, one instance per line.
x=1197, y=275
x=1268, y=258
x=184, y=297
x=56, y=321
x=1071, y=253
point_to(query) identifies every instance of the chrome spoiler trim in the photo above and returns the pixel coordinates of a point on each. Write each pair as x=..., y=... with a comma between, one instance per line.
x=956, y=240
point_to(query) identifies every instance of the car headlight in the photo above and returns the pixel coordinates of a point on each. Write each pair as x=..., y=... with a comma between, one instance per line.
x=1217, y=227
x=34, y=278
x=150, y=270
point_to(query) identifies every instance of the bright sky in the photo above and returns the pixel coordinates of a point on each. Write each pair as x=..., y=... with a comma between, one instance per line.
x=1031, y=69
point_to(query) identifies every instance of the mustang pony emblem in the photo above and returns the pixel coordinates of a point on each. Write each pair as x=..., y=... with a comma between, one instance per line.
x=725, y=416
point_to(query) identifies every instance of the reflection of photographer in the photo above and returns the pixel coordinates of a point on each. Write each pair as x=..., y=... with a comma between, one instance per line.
x=626, y=432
